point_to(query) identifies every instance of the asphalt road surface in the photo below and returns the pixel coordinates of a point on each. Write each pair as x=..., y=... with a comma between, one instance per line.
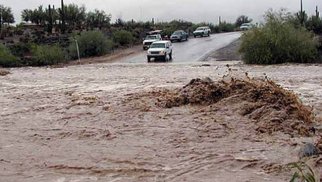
x=195, y=49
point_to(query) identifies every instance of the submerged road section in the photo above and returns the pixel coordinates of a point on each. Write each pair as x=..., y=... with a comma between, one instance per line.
x=195, y=49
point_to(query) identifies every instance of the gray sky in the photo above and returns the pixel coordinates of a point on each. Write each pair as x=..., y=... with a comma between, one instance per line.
x=164, y=10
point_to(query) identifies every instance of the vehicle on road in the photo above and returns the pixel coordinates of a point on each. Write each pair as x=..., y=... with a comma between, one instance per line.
x=179, y=36
x=202, y=31
x=149, y=39
x=246, y=26
x=160, y=50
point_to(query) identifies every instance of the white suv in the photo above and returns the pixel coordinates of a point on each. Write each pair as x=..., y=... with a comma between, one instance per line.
x=160, y=50
x=202, y=31
x=149, y=39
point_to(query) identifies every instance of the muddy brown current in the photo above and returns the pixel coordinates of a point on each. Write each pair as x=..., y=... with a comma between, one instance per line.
x=99, y=123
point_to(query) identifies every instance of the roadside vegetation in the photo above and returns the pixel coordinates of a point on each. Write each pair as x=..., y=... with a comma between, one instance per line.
x=46, y=55
x=91, y=43
x=6, y=58
x=283, y=38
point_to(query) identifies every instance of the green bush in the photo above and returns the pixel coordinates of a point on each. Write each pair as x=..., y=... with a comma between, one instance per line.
x=6, y=58
x=278, y=41
x=20, y=49
x=46, y=55
x=225, y=27
x=91, y=43
x=123, y=37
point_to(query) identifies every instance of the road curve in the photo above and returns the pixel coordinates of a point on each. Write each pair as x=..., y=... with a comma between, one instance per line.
x=195, y=49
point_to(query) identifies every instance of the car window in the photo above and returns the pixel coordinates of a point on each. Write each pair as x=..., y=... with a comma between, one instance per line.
x=158, y=45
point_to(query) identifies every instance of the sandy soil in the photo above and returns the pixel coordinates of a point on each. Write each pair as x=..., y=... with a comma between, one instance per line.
x=227, y=53
x=100, y=122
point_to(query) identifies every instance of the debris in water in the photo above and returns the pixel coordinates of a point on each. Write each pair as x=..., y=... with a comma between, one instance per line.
x=308, y=150
x=4, y=72
x=272, y=107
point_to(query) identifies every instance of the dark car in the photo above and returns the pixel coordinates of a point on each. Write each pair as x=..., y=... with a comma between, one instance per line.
x=179, y=35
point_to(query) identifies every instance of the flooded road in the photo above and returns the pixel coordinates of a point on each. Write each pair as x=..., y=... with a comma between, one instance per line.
x=195, y=49
x=94, y=123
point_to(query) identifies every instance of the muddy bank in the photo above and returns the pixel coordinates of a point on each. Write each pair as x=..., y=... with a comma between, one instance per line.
x=227, y=53
x=104, y=122
x=114, y=56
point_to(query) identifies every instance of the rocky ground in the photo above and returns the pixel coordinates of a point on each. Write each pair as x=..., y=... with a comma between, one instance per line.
x=151, y=122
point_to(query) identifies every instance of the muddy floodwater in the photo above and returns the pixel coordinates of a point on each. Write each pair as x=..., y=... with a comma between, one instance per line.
x=97, y=123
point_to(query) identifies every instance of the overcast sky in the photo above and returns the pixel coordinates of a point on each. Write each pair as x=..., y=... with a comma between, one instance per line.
x=165, y=10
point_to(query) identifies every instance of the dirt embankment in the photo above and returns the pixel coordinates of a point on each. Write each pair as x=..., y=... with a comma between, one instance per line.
x=108, y=58
x=227, y=53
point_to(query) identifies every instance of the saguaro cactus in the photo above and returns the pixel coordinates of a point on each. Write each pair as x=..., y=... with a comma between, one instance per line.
x=50, y=19
x=301, y=15
x=62, y=16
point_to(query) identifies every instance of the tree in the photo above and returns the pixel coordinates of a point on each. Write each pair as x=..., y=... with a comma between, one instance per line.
x=39, y=16
x=242, y=19
x=6, y=15
x=26, y=15
x=97, y=19
x=75, y=16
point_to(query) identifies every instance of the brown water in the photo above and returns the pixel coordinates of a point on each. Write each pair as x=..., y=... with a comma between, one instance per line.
x=87, y=123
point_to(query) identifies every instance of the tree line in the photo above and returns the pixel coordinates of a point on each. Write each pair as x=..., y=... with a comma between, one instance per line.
x=72, y=15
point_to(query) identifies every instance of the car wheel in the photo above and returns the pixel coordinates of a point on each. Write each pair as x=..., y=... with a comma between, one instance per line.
x=149, y=59
x=194, y=36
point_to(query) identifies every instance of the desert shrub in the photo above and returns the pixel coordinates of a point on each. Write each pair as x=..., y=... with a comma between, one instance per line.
x=168, y=31
x=123, y=37
x=46, y=55
x=6, y=58
x=278, y=41
x=20, y=49
x=226, y=27
x=91, y=43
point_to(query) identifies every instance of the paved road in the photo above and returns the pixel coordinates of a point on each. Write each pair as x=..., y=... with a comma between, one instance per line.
x=196, y=49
